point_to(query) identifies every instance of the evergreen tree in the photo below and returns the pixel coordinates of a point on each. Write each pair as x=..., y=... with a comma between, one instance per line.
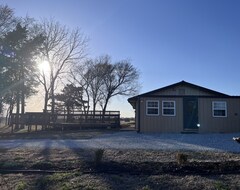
x=18, y=53
x=71, y=99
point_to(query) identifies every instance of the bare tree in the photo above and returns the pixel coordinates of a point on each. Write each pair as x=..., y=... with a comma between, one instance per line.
x=95, y=74
x=79, y=76
x=62, y=49
x=90, y=76
x=7, y=19
x=103, y=80
x=120, y=78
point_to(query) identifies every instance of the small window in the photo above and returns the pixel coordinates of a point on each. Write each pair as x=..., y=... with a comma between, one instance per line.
x=152, y=108
x=219, y=109
x=168, y=108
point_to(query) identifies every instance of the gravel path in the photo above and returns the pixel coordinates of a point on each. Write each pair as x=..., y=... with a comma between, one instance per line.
x=133, y=140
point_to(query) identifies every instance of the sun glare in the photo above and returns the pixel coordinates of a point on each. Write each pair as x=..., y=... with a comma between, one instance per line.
x=44, y=66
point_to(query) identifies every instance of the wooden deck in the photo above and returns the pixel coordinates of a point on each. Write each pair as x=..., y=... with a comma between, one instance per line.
x=77, y=120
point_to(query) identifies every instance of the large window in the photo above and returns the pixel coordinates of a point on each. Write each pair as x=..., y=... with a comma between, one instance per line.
x=219, y=109
x=168, y=108
x=152, y=107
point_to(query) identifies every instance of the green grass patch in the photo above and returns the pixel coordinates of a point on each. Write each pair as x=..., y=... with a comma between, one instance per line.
x=8, y=165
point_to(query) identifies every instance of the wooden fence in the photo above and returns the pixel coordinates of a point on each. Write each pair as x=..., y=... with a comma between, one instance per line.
x=81, y=120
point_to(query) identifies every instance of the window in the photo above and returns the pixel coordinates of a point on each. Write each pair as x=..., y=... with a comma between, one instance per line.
x=152, y=108
x=168, y=108
x=219, y=109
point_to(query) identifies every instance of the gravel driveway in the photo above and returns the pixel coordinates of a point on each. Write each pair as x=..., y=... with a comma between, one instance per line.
x=133, y=140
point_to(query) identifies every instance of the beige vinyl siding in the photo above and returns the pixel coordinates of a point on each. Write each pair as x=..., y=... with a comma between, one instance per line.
x=208, y=123
x=160, y=123
x=174, y=124
x=183, y=91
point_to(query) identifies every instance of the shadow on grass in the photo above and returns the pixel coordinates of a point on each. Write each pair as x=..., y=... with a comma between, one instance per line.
x=87, y=164
x=53, y=134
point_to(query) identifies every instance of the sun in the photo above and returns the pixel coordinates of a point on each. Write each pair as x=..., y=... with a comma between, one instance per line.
x=44, y=66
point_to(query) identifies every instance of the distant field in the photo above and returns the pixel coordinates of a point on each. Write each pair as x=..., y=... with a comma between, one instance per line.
x=127, y=122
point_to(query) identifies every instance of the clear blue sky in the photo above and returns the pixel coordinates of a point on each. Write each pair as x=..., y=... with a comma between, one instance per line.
x=167, y=40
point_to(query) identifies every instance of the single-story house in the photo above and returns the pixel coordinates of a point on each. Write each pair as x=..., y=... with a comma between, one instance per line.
x=186, y=108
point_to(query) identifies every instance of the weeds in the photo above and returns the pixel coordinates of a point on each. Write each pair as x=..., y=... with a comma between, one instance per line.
x=66, y=186
x=21, y=185
x=42, y=182
x=46, y=181
x=146, y=187
x=59, y=176
x=98, y=156
x=181, y=158
x=220, y=186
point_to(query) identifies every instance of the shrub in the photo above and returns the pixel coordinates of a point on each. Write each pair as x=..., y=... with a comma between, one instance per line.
x=42, y=182
x=146, y=188
x=21, y=185
x=98, y=156
x=220, y=186
x=181, y=158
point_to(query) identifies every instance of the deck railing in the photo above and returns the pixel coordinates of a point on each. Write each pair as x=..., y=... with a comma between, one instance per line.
x=79, y=118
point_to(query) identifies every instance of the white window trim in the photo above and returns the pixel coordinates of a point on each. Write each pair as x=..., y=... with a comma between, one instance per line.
x=152, y=107
x=174, y=108
x=215, y=109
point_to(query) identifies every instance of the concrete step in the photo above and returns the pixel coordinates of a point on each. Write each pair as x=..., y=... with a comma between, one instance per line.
x=189, y=131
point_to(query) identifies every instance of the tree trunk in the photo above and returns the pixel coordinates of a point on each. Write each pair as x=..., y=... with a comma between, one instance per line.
x=86, y=111
x=45, y=102
x=17, y=109
x=52, y=91
x=53, y=100
x=94, y=108
x=22, y=109
x=22, y=97
x=68, y=114
x=9, y=112
x=105, y=106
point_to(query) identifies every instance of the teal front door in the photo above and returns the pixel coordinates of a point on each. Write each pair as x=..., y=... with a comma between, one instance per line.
x=190, y=113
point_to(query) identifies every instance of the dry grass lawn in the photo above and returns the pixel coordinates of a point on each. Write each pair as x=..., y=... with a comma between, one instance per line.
x=111, y=168
x=117, y=169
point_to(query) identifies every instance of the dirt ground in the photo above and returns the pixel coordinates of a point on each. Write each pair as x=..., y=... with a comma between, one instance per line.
x=117, y=169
